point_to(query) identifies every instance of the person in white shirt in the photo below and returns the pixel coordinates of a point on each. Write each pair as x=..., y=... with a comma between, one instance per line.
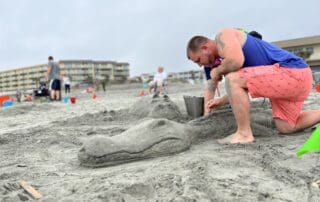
x=158, y=81
x=66, y=82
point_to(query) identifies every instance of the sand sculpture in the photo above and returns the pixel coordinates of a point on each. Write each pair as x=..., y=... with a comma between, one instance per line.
x=159, y=133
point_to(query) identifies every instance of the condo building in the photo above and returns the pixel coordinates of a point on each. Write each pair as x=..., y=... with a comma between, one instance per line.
x=80, y=71
x=306, y=47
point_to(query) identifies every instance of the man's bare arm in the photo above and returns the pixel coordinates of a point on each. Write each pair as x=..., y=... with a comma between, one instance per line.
x=48, y=72
x=209, y=93
x=211, y=85
x=230, y=49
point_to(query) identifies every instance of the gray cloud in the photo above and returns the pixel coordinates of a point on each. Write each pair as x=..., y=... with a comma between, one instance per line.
x=144, y=33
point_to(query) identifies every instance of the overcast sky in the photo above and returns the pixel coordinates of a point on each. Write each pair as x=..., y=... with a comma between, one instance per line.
x=145, y=33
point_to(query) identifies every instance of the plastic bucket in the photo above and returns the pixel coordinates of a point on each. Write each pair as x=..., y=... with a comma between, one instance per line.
x=145, y=85
x=316, y=78
x=4, y=98
x=65, y=99
x=318, y=88
x=194, y=105
x=73, y=100
x=7, y=104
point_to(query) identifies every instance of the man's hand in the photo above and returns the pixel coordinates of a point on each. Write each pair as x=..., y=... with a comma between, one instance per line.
x=206, y=111
x=216, y=103
x=215, y=76
x=209, y=91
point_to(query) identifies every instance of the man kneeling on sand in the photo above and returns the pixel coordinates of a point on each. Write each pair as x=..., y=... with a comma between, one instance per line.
x=262, y=69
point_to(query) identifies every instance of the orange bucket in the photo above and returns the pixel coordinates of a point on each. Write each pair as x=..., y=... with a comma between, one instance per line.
x=318, y=88
x=4, y=98
x=141, y=94
x=94, y=96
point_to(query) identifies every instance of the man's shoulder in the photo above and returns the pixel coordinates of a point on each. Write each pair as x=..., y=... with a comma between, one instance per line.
x=227, y=31
x=53, y=64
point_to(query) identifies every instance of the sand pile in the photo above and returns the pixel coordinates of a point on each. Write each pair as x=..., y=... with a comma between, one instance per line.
x=159, y=107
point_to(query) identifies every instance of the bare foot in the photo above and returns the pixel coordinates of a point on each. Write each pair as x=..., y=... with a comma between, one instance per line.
x=236, y=138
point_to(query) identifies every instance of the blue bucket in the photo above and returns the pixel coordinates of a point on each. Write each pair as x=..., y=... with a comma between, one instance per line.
x=145, y=85
x=65, y=99
x=7, y=104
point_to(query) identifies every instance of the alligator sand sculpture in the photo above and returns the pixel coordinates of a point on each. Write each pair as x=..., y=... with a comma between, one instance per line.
x=163, y=130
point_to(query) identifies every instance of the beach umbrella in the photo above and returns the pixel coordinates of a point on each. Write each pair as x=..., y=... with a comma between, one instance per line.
x=312, y=143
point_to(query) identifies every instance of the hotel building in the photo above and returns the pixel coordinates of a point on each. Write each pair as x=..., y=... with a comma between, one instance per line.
x=26, y=78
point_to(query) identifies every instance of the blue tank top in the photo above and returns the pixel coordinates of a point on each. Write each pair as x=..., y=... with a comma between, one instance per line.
x=207, y=69
x=258, y=52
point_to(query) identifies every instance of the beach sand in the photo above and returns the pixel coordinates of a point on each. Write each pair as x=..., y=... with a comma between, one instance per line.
x=39, y=143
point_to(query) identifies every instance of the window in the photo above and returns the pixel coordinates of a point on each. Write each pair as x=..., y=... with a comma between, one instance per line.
x=297, y=50
x=309, y=50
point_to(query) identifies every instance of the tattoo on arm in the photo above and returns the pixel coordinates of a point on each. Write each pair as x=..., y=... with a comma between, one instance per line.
x=211, y=85
x=219, y=41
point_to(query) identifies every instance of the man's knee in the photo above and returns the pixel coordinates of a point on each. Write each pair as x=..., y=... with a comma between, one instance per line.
x=234, y=78
x=284, y=127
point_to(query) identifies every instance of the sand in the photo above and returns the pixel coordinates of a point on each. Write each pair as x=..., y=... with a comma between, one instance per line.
x=40, y=143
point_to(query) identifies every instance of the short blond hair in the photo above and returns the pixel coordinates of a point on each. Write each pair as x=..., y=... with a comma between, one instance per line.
x=160, y=68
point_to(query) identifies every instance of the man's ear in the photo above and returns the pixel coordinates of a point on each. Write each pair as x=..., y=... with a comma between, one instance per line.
x=204, y=47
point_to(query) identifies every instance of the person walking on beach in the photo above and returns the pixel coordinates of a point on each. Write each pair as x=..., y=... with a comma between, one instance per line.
x=54, y=77
x=254, y=66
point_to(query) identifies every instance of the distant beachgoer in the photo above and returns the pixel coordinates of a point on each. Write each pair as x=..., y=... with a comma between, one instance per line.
x=67, y=83
x=254, y=66
x=19, y=95
x=54, y=77
x=103, y=84
x=159, y=80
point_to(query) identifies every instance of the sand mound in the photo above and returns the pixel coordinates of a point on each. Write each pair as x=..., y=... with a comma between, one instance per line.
x=160, y=107
x=145, y=107
x=222, y=123
x=25, y=108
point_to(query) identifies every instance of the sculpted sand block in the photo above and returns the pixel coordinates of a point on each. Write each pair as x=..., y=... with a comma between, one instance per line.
x=151, y=138
x=156, y=137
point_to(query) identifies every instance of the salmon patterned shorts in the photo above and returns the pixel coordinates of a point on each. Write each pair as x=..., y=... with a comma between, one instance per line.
x=287, y=88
